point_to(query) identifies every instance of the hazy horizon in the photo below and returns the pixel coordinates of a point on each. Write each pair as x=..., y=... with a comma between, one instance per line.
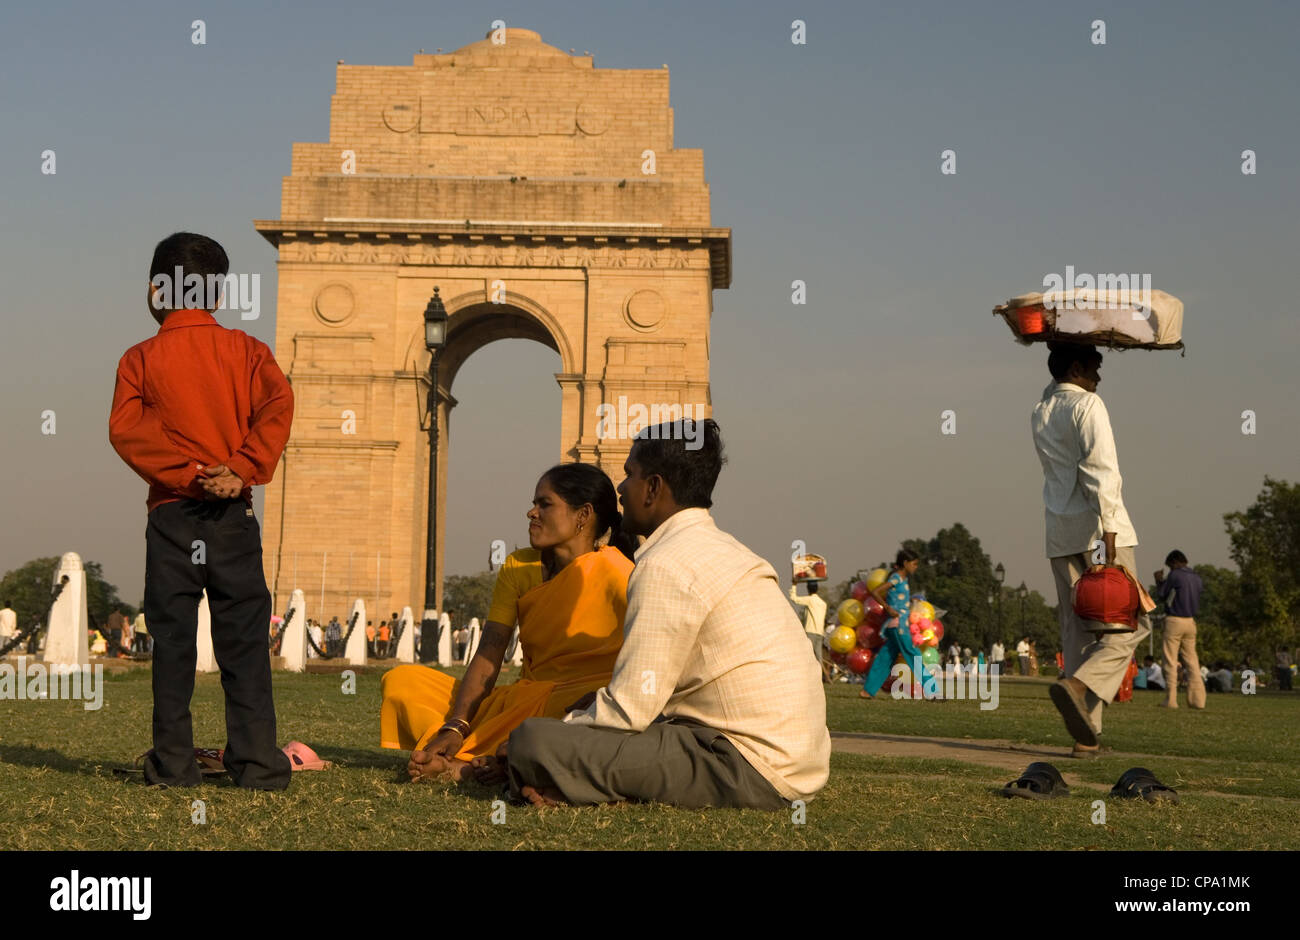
x=823, y=159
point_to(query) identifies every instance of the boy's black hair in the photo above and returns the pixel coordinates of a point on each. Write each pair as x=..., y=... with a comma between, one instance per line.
x=1175, y=556
x=690, y=472
x=1064, y=355
x=193, y=254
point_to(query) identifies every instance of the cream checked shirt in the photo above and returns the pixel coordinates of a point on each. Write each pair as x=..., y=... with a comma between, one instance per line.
x=708, y=636
x=1082, y=488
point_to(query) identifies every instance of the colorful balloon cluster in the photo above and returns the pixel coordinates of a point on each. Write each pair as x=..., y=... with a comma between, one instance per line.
x=926, y=630
x=855, y=641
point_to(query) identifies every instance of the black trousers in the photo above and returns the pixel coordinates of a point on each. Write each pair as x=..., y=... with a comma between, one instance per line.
x=230, y=568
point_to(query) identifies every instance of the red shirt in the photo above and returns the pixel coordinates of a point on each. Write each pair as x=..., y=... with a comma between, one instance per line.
x=198, y=394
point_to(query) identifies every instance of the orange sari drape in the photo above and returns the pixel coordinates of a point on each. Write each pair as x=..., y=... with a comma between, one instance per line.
x=571, y=629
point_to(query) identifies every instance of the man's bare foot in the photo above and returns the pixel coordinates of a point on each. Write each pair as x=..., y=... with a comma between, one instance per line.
x=865, y=694
x=488, y=769
x=543, y=796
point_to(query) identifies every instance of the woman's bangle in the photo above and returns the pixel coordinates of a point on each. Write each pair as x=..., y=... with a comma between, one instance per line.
x=455, y=724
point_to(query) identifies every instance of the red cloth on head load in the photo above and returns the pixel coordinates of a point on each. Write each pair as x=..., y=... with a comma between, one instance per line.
x=1107, y=596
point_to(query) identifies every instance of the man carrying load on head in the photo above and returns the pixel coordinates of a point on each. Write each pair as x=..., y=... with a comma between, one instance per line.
x=1085, y=514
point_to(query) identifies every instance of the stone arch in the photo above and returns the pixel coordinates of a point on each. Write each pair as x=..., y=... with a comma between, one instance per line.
x=474, y=321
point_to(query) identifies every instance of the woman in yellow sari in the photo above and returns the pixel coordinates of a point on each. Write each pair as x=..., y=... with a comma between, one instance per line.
x=569, y=596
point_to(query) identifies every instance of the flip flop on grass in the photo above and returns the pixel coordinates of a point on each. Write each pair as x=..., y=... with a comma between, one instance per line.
x=1138, y=783
x=1040, y=781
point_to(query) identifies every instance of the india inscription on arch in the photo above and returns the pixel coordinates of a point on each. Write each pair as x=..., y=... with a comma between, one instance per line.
x=515, y=164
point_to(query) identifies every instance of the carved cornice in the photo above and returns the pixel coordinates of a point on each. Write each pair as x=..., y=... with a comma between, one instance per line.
x=491, y=245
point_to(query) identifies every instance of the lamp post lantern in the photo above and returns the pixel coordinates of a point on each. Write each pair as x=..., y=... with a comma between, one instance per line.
x=435, y=337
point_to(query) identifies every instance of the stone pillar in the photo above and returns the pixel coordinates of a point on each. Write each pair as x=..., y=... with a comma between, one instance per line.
x=207, y=659
x=294, y=646
x=355, y=653
x=406, y=645
x=445, y=651
x=65, y=635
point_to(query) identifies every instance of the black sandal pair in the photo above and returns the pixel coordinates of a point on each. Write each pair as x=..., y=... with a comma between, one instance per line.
x=1042, y=781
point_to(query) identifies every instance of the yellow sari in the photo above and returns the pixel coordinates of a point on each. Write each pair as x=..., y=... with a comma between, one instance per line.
x=571, y=629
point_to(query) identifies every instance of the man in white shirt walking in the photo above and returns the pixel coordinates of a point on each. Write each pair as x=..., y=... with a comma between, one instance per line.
x=714, y=700
x=1087, y=525
x=998, y=655
x=814, y=623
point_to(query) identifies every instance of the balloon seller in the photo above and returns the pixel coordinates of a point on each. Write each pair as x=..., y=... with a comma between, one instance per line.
x=896, y=597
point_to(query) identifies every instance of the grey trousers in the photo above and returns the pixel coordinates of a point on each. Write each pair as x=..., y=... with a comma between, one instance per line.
x=685, y=764
x=1099, y=661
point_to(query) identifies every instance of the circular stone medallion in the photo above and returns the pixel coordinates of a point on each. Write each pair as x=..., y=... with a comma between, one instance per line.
x=645, y=310
x=334, y=304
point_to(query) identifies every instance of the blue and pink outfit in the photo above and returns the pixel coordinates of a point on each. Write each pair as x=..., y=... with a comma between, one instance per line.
x=898, y=639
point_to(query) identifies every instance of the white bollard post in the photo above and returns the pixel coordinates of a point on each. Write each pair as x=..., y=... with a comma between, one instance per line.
x=406, y=645
x=294, y=646
x=445, y=651
x=471, y=647
x=518, y=658
x=355, y=653
x=66, y=639
x=207, y=659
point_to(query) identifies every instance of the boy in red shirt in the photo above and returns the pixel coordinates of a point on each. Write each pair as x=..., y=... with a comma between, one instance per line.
x=202, y=413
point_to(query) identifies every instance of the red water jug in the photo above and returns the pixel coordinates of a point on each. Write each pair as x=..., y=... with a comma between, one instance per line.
x=1107, y=596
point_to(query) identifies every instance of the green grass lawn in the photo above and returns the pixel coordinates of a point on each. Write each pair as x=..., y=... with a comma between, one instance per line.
x=1235, y=765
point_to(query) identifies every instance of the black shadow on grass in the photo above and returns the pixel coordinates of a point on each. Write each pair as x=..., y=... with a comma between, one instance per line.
x=44, y=758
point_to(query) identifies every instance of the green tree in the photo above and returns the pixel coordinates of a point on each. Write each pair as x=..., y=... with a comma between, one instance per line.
x=1266, y=548
x=1218, y=621
x=27, y=589
x=470, y=595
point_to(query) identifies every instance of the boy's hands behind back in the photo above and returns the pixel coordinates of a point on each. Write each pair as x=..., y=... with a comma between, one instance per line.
x=220, y=482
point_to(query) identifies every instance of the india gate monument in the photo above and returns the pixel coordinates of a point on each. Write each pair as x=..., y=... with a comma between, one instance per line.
x=544, y=199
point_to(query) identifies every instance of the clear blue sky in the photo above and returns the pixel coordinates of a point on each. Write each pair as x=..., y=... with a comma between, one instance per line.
x=824, y=161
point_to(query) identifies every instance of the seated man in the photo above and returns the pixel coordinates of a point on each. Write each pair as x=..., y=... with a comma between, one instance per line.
x=714, y=700
x=1154, y=674
x=1219, y=679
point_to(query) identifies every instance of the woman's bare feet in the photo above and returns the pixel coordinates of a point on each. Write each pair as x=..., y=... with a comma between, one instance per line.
x=427, y=765
x=865, y=694
x=542, y=796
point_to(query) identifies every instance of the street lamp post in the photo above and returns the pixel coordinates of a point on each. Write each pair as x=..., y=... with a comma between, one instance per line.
x=435, y=337
x=1023, y=592
x=1000, y=573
